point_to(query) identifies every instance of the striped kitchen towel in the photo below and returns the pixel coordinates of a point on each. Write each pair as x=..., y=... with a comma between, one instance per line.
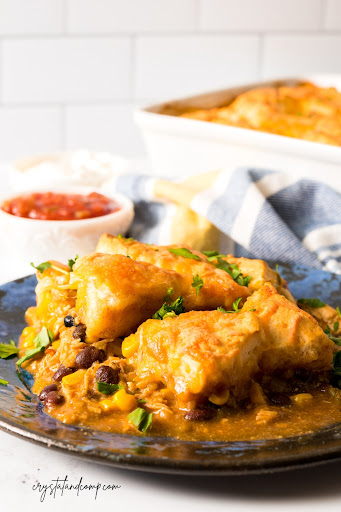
x=247, y=212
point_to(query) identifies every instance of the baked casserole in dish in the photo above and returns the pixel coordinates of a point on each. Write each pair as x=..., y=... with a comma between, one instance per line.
x=303, y=111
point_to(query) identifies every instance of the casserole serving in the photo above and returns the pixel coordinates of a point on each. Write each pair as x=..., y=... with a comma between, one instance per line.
x=197, y=346
x=179, y=145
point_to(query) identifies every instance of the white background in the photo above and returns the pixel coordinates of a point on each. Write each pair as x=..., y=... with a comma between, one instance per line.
x=72, y=70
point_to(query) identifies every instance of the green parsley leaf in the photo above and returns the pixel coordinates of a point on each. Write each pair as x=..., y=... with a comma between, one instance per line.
x=235, y=306
x=108, y=389
x=168, y=295
x=213, y=255
x=170, y=310
x=337, y=361
x=336, y=326
x=3, y=382
x=336, y=340
x=185, y=253
x=210, y=254
x=197, y=283
x=279, y=279
x=41, y=341
x=222, y=310
x=72, y=262
x=141, y=419
x=313, y=303
x=233, y=270
x=46, y=265
x=253, y=309
x=8, y=350
x=338, y=311
x=142, y=400
x=42, y=266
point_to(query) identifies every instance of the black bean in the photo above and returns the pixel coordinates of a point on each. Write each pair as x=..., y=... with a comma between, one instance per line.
x=199, y=414
x=299, y=387
x=302, y=374
x=53, y=398
x=86, y=357
x=61, y=372
x=69, y=321
x=47, y=389
x=79, y=332
x=279, y=399
x=107, y=374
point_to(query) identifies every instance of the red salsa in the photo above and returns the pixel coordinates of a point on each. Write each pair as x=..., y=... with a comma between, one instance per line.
x=52, y=206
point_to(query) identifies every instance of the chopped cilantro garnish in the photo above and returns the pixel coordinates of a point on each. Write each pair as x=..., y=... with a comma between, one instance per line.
x=108, y=389
x=185, y=253
x=8, y=350
x=141, y=419
x=336, y=340
x=197, y=283
x=336, y=326
x=3, y=382
x=313, y=303
x=213, y=255
x=279, y=279
x=210, y=254
x=44, y=266
x=233, y=270
x=170, y=310
x=169, y=294
x=222, y=310
x=142, y=400
x=235, y=306
x=41, y=341
x=72, y=262
x=338, y=311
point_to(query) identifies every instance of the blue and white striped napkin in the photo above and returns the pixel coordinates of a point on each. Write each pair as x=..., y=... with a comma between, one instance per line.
x=247, y=212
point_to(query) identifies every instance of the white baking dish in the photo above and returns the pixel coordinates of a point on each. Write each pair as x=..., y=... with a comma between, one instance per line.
x=182, y=147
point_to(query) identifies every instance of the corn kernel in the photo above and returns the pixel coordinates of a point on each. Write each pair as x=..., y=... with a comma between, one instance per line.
x=73, y=379
x=123, y=401
x=220, y=399
x=28, y=341
x=302, y=398
x=27, y=331
x=265, y=416
x=256, y=394
x=55, y=345
x=129, y=346
x=107, y=405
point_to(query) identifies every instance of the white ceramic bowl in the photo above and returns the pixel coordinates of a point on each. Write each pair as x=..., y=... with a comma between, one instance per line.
x=81, y=168
x=41, y=240
x=184, y=147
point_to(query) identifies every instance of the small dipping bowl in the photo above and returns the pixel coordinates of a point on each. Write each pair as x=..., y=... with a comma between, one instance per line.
x=35, y=240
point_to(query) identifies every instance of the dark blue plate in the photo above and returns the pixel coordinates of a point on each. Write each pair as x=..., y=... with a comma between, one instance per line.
x=22, y=415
